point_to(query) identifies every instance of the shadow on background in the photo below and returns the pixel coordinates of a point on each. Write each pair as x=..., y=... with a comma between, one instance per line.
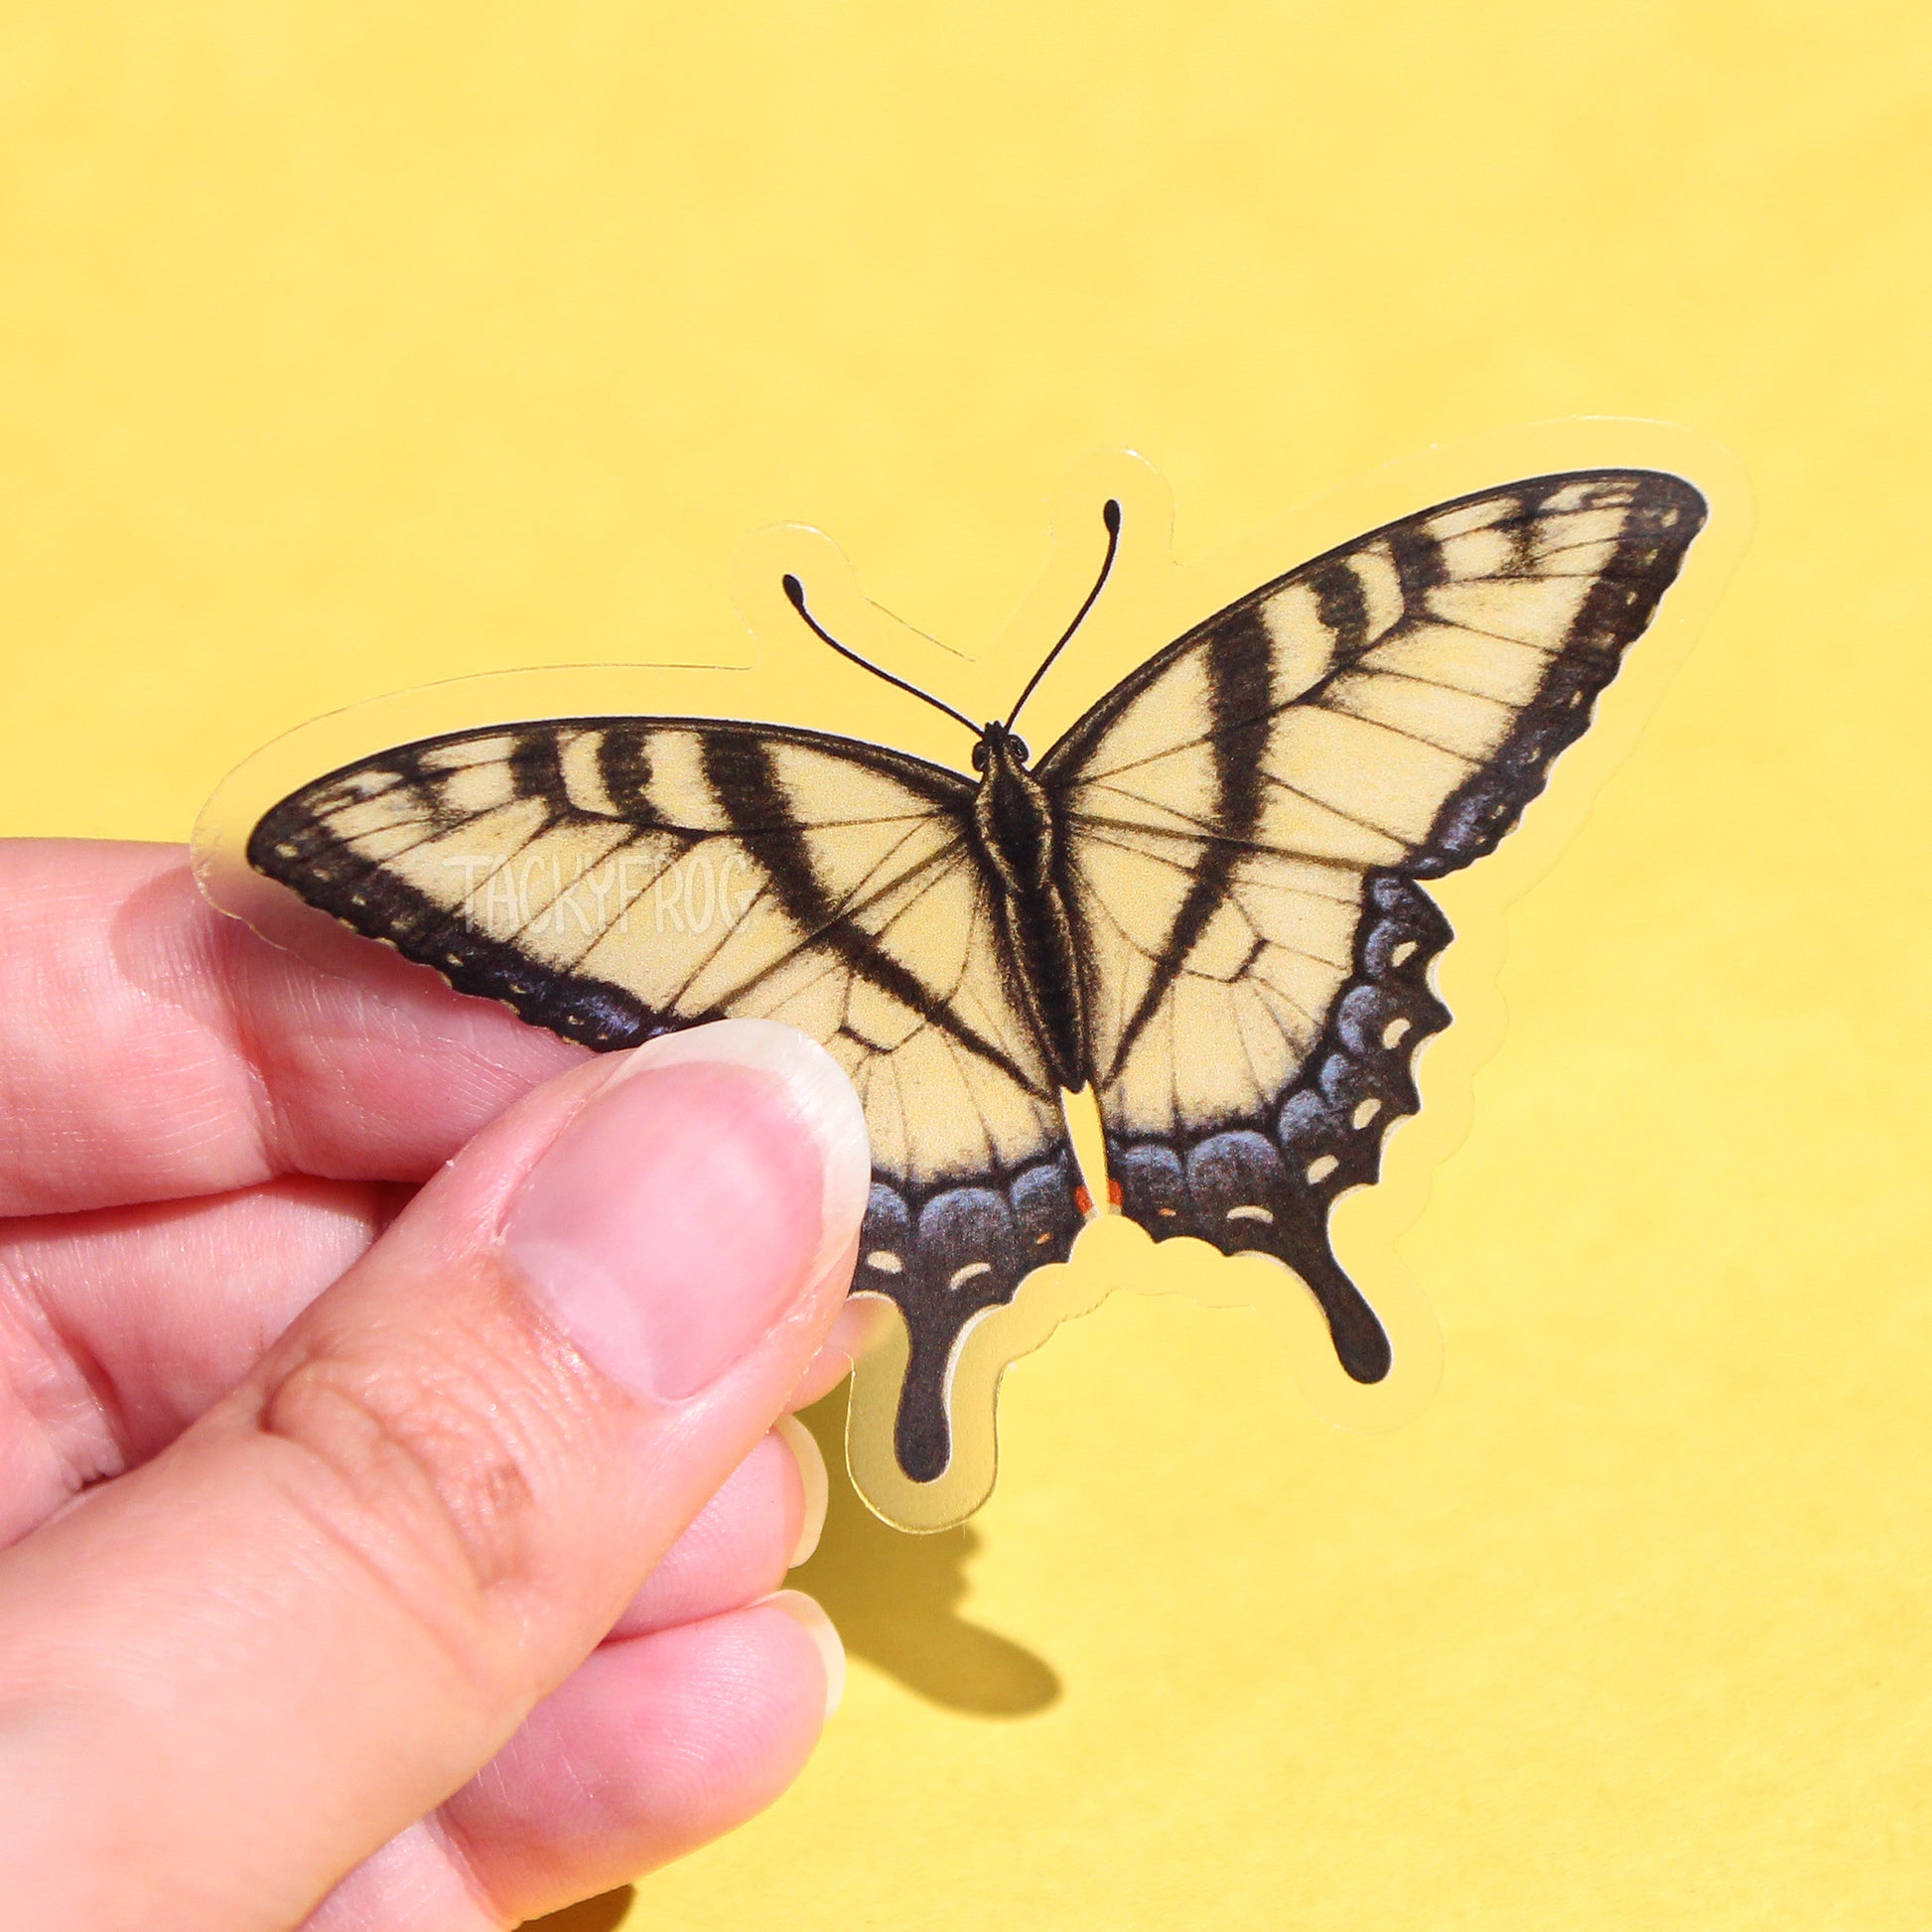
x=895, y=1599
x=602, y=1914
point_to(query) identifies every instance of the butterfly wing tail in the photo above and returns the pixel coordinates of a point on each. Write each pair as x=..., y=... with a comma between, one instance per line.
x=1234, y=1189
x=944, y=1262
x=922, y=1428
x=1361, y=1342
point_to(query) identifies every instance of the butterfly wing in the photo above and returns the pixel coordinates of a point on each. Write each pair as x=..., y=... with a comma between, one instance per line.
x=615, y=879
x=1249, y=814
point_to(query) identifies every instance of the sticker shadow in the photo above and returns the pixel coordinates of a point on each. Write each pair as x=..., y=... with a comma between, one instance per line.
x=894, y=1598
x=604, y=1913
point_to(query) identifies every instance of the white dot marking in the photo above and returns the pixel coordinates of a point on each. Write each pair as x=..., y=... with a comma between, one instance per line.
x=885, y=1262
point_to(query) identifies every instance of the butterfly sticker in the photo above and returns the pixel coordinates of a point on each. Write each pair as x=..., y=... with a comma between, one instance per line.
x=1205, y=903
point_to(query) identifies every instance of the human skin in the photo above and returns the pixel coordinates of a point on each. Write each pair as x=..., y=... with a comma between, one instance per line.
x=395, y=1463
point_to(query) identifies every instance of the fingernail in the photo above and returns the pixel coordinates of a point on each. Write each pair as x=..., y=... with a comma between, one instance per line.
x=810, y=1617
x=699, y=1193
x=804, y=1449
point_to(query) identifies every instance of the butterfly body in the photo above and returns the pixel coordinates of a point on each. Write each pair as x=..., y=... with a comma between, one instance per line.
x=1023, y=846
x=1205, y=904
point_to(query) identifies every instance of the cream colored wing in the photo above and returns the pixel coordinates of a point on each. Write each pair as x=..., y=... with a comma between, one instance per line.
x=615, y=879
x=1247, y=817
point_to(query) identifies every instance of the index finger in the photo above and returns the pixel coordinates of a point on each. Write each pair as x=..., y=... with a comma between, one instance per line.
x=152, y=1047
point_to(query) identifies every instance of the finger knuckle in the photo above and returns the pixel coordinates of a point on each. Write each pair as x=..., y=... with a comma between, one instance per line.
x=421, y=1456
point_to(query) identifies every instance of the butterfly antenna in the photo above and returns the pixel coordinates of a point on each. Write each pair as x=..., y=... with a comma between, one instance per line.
x=1111, y=517
x=797, y=591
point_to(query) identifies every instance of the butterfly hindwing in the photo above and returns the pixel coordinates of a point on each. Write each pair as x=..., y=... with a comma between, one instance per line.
x=615, y=879
x=1247, y=817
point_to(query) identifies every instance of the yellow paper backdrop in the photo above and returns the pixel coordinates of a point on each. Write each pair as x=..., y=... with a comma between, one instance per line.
x=348, y=347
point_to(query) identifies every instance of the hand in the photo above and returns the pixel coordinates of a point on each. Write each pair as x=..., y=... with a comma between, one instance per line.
x=394, y=1542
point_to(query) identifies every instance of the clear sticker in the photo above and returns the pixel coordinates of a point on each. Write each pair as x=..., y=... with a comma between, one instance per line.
x=1148, y=981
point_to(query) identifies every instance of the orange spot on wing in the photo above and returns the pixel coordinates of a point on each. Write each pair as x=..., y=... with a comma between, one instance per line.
x=1083, y=1200
x=1113, y=1193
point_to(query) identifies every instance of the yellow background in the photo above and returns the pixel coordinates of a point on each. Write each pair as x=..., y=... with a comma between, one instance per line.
x=348, y=347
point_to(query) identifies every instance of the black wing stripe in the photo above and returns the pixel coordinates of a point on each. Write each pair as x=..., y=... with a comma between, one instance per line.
x=744, y=774
x=537, y=768
x=1342, y=605
x=623, y=767
x=1419, y=561
x=1239, y=656
x=934, y=868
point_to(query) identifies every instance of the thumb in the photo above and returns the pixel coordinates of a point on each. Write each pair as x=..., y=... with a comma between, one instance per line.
x=232, y=1674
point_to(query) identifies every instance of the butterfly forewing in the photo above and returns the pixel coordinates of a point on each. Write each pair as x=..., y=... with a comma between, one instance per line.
x=614, y=879
x=1246, y=817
